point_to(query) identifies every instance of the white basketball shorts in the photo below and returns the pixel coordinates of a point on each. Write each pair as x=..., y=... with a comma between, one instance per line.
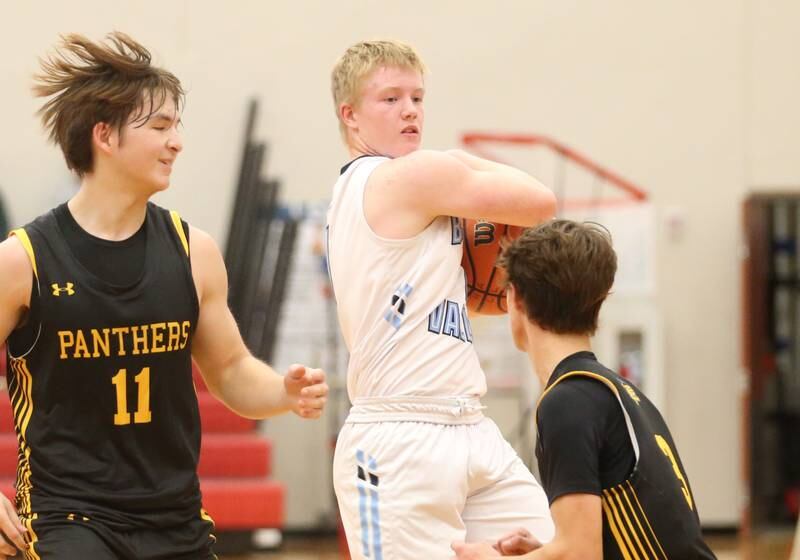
x=414, y=474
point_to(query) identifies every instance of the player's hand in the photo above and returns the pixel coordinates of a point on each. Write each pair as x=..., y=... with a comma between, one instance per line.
x=306, y=390
x=519, y=542
x=13, y=530
x=474, y=551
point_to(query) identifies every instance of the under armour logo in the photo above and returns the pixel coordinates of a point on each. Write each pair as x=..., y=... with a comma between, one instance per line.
x=394, y=315
x=484, y=233
x=68, y=289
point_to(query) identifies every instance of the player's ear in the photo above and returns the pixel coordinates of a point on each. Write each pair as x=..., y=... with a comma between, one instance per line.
x=512, y=298
x=347, y=115
x=102, y=134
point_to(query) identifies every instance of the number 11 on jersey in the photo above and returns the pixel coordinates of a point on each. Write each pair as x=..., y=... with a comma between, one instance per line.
x=142, y=415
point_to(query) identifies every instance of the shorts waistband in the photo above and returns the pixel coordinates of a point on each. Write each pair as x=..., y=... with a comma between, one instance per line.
x=437, y=410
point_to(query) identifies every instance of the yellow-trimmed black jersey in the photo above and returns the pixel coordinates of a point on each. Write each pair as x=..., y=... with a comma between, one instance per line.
x=104, y=403
x=649, y=512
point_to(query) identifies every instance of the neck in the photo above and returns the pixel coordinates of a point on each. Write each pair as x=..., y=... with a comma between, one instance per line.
x=357, y=147
x=108, y=209
x=546, y=349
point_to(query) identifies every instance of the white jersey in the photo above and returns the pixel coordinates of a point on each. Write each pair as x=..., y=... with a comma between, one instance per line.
x=401, y=302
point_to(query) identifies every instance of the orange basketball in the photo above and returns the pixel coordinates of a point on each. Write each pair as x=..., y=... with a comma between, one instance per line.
x=486, y=293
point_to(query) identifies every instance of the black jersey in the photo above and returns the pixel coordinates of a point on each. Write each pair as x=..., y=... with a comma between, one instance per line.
x=104, y=403
x=651, y=514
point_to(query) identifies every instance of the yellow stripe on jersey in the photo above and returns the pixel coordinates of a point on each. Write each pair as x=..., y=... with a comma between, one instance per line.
x=33, y=538
x=614, y=531
x=579, y=373
x=22, y=399
x=626, y=516
x=623, y=530
x=176, y=221
x=22, y=235
x=624, y=493
x=205, y=517
x=646, y=520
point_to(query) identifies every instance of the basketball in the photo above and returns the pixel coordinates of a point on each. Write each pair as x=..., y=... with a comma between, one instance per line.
x=486, y=293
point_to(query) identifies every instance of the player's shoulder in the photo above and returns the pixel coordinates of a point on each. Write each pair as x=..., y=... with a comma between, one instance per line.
x=576, y=392
x=202, y=243
x=418, y=167
x=13, y=256
x=422, y=159
x=17, y=266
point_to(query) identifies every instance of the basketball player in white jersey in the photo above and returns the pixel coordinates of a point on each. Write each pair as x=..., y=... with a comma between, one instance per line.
x=417, y=464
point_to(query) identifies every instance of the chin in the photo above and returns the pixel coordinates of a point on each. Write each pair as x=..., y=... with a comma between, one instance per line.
x=158, y=186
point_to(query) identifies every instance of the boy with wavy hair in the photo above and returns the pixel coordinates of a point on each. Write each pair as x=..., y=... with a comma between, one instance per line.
x=104, y=301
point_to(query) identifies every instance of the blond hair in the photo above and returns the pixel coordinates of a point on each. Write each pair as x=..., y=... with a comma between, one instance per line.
x=359, y=61
x=89, y=82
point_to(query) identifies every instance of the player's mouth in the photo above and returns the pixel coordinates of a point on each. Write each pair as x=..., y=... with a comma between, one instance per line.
x=167, y=162
x=411, y=130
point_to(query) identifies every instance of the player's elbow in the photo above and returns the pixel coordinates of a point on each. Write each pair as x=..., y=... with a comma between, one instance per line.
x=544, y=205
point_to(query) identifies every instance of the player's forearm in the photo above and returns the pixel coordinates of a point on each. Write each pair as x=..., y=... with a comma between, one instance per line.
x=482, y=164
x=252, y=389
x=561, y=550
x=533, y=201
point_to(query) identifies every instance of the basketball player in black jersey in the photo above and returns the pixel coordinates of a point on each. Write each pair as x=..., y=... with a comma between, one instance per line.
x=610, y=469
x=103, y=303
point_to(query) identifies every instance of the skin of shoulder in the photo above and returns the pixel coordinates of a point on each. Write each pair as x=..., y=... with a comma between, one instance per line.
x=16, y=284
x=421, y=175
x=405, y=194
x=208, y=267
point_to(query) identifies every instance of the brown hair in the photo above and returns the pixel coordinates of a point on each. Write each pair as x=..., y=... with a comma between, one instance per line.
x=359, y=60
x=89, y=83
x=563, y=271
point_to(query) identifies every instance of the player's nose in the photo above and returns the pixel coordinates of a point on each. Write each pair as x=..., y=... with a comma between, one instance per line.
x=410, y=110
x=175, y=142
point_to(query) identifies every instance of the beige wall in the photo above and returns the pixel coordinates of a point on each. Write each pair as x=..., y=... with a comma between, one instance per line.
x=696, y=101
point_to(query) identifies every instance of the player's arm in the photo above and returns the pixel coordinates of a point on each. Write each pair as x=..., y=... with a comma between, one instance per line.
x=16, y=283
x=245, y=384
x=417, y=188
x=579, y=524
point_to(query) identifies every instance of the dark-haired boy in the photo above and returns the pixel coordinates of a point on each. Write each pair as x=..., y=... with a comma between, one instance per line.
x=611, y=471
x=103, y=303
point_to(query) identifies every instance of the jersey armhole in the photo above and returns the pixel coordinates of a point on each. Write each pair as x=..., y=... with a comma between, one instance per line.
x=34, y=301
x=362, y=213
x=182, y=229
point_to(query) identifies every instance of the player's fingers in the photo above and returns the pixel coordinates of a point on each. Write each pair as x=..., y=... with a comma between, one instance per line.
x=521, y=532
x=315, y=391
x=310, y=413
x=457, y=546
x=12, y=514
x=296, y=372
x=11, y=526
x=510, y=546
x=315, y=375
x=518, y=544
x=6, y=549
x=312, y=404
